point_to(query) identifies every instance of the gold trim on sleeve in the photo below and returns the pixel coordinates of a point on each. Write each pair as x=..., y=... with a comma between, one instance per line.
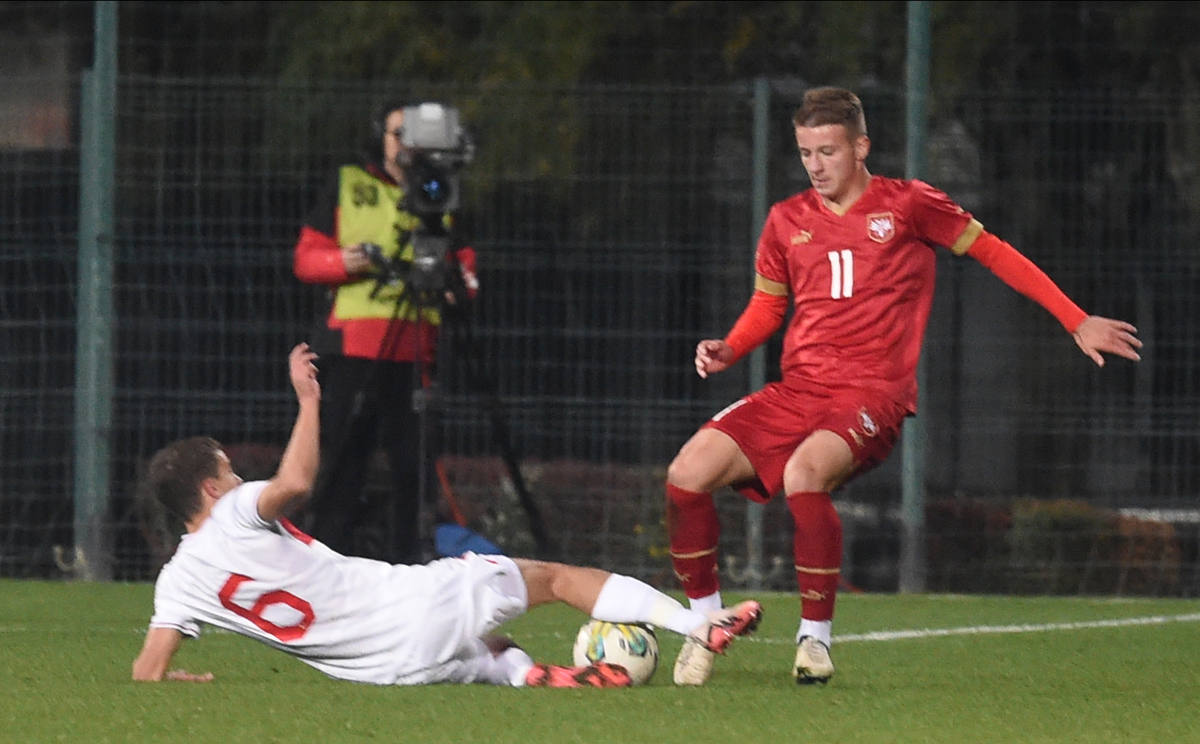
x=972, y=231
x=770, y=286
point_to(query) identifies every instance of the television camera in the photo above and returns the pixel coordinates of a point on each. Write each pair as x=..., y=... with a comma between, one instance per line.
x=434, y=149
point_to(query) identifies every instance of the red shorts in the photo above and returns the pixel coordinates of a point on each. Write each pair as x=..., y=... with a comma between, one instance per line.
x=770, y=424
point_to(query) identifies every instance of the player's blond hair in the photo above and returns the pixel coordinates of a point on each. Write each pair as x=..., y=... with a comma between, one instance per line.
x=830, y=105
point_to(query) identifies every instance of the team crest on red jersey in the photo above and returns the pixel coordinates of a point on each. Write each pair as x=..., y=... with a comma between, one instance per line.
x=866, y=427
x=881, y=226
x=866, y=423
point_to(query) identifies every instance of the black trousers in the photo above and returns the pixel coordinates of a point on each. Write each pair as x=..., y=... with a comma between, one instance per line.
x=367, y=405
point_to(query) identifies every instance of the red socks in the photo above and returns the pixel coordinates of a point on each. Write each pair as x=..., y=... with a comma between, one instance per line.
x=694, y=528
x=817, y=547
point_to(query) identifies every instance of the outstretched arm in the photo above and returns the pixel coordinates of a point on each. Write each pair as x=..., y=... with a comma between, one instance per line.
x=1092, y=333
x=153, y=663
x=298, y=466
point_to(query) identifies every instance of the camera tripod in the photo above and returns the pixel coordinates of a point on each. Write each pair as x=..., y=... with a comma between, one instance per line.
x=424, y=286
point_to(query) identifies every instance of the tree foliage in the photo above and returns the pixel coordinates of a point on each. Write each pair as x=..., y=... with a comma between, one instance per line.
x=975, y=44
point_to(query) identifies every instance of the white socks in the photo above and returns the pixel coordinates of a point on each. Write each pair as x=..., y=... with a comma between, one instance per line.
x=822, y=630
x=707, y=604
x=624, y=599
x=510, y=667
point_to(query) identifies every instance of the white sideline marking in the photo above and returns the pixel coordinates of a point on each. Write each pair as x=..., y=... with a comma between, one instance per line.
x=901, y=635
x=898, y=635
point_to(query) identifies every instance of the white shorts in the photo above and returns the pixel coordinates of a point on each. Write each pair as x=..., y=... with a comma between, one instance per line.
x=468, y=597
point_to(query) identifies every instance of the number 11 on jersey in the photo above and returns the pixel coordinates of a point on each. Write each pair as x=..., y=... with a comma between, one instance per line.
x=841, y=285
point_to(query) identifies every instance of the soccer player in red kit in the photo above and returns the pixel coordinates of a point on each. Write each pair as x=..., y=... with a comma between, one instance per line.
x=855, y=254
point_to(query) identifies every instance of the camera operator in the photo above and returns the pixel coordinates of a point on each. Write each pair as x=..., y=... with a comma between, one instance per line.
x=376, y=337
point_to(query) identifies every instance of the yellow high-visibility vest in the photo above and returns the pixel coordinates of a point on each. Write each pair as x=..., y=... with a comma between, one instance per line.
x=369, y=212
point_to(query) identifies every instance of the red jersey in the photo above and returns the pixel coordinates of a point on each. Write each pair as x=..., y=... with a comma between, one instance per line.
x=861, y=283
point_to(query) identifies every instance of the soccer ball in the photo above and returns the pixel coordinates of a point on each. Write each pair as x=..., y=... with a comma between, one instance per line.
x=633, y=646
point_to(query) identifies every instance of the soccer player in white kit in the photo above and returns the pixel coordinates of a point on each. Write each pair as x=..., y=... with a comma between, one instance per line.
x=242, y=566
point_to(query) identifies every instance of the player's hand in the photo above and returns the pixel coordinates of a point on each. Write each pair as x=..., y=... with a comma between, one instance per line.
x=183, y=675
x=1095, y=335
x=355, y=260
x=713, y=355
x=304, y=373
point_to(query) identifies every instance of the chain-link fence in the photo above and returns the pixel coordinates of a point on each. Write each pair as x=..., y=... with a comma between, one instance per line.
x=614, y=229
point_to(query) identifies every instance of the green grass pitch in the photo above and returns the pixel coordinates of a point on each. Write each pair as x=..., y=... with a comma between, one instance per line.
x=993, y=669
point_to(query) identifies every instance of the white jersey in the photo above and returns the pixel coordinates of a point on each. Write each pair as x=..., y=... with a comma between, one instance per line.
x=352, y=618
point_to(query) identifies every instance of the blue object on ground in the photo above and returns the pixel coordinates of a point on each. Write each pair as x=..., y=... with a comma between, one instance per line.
x=452, y=540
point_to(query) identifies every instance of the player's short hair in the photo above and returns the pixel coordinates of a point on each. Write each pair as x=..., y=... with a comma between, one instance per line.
x=830, y=105
x=173, y=477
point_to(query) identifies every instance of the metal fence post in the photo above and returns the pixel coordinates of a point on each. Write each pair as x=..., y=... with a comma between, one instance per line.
x=94, y=319
x=758, y=363
x=912, y=518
